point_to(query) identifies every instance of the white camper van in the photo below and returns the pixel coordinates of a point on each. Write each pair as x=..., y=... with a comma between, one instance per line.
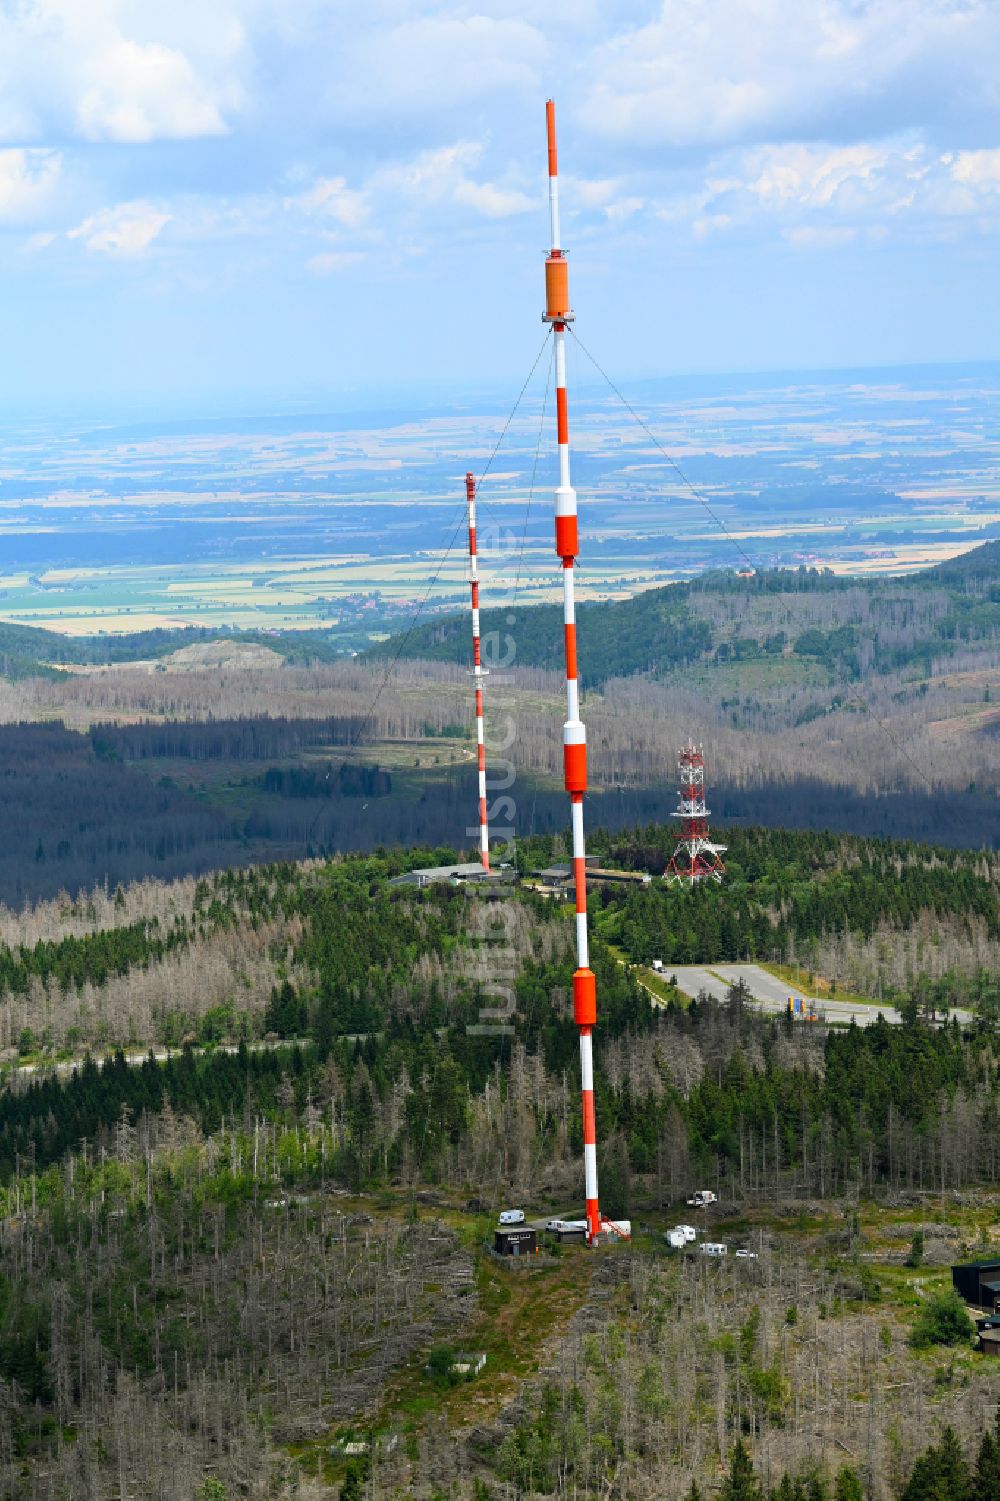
x=512, y=1216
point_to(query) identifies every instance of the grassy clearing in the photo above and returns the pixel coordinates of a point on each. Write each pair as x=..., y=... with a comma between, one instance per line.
x=657, y=986
x=517, y=1314
x=654, y=984
x=514, y=1318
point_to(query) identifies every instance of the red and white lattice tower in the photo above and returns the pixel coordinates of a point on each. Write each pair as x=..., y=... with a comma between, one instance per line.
x=695, y=856
x=478, y=671
x=558, y=313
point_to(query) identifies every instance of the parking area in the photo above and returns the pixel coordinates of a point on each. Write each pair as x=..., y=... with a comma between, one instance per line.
x=768, y=992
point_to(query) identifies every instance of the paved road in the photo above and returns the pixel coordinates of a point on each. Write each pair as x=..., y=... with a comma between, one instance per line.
x=770, y=993
x=692, y=979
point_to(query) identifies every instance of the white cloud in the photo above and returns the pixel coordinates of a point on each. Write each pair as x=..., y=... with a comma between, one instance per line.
x=28, y=182
x=486, y=198
x=124, y=232
x=145, y=93
x=606, y=195
x=798, y=123
x=756, y=70
x=333, y=199
x=815, y=176
x=442, y=176
x=979, y=169
x=119, y=70
x=821, y=196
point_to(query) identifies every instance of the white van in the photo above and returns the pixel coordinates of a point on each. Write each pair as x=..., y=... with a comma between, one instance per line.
x=512, y=1216
x=714, y=1248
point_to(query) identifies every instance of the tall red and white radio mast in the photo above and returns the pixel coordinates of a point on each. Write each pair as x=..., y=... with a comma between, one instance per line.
x=559, y=313
x=478, y=671
x=695, y=856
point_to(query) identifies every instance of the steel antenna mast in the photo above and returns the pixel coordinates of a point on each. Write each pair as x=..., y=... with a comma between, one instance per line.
x=478, y=671
x=558, y=313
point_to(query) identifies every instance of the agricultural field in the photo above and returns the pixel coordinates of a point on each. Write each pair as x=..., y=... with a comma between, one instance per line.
x=344, y=520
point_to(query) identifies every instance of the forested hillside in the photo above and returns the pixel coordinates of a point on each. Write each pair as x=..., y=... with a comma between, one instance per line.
x=215, y=1267
x=29, y=650
x=852, y=627
x=892, y=920
x=822, y=702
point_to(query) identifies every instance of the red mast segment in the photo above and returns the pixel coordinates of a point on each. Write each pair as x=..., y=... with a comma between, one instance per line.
x=559, y=313
x=478, y=671
x=695, y=856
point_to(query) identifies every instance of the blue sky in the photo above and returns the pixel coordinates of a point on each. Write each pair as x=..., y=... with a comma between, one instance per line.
x=303, y=199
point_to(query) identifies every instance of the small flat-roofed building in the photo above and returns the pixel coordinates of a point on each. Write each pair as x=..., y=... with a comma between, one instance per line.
x=572, y=1231
x=978, y=1282
x=515, y=1240
x=989, y=1341
x=431, y=875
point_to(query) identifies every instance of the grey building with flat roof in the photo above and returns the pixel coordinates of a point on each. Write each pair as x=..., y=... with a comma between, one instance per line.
x=432, y=875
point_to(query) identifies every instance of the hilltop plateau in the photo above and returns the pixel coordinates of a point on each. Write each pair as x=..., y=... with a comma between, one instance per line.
x=239, y=1256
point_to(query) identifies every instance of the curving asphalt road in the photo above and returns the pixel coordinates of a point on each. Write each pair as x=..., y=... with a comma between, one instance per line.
x=771, y=994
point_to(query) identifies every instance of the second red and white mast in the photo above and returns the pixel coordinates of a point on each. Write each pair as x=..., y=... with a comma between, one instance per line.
x=478, y=671
x=559, y=313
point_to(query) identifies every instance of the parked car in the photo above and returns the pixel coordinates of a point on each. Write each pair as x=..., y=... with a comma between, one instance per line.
x=512, y=1216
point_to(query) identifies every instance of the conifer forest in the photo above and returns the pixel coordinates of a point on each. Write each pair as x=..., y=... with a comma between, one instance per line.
x=254, y=1138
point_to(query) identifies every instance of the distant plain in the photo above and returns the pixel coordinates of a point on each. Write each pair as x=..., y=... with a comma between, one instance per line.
x=344, y=521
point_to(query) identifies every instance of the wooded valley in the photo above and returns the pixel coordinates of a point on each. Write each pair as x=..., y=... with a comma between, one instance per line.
x=823, y=702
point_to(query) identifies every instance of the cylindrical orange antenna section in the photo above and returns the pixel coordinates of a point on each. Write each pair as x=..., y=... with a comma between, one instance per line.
x=550, y=122
x=557, y=308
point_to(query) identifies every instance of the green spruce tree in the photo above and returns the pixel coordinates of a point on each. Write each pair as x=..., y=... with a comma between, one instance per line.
x=741, y=1483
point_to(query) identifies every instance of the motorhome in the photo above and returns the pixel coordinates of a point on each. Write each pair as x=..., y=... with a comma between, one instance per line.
x=512, y=1216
